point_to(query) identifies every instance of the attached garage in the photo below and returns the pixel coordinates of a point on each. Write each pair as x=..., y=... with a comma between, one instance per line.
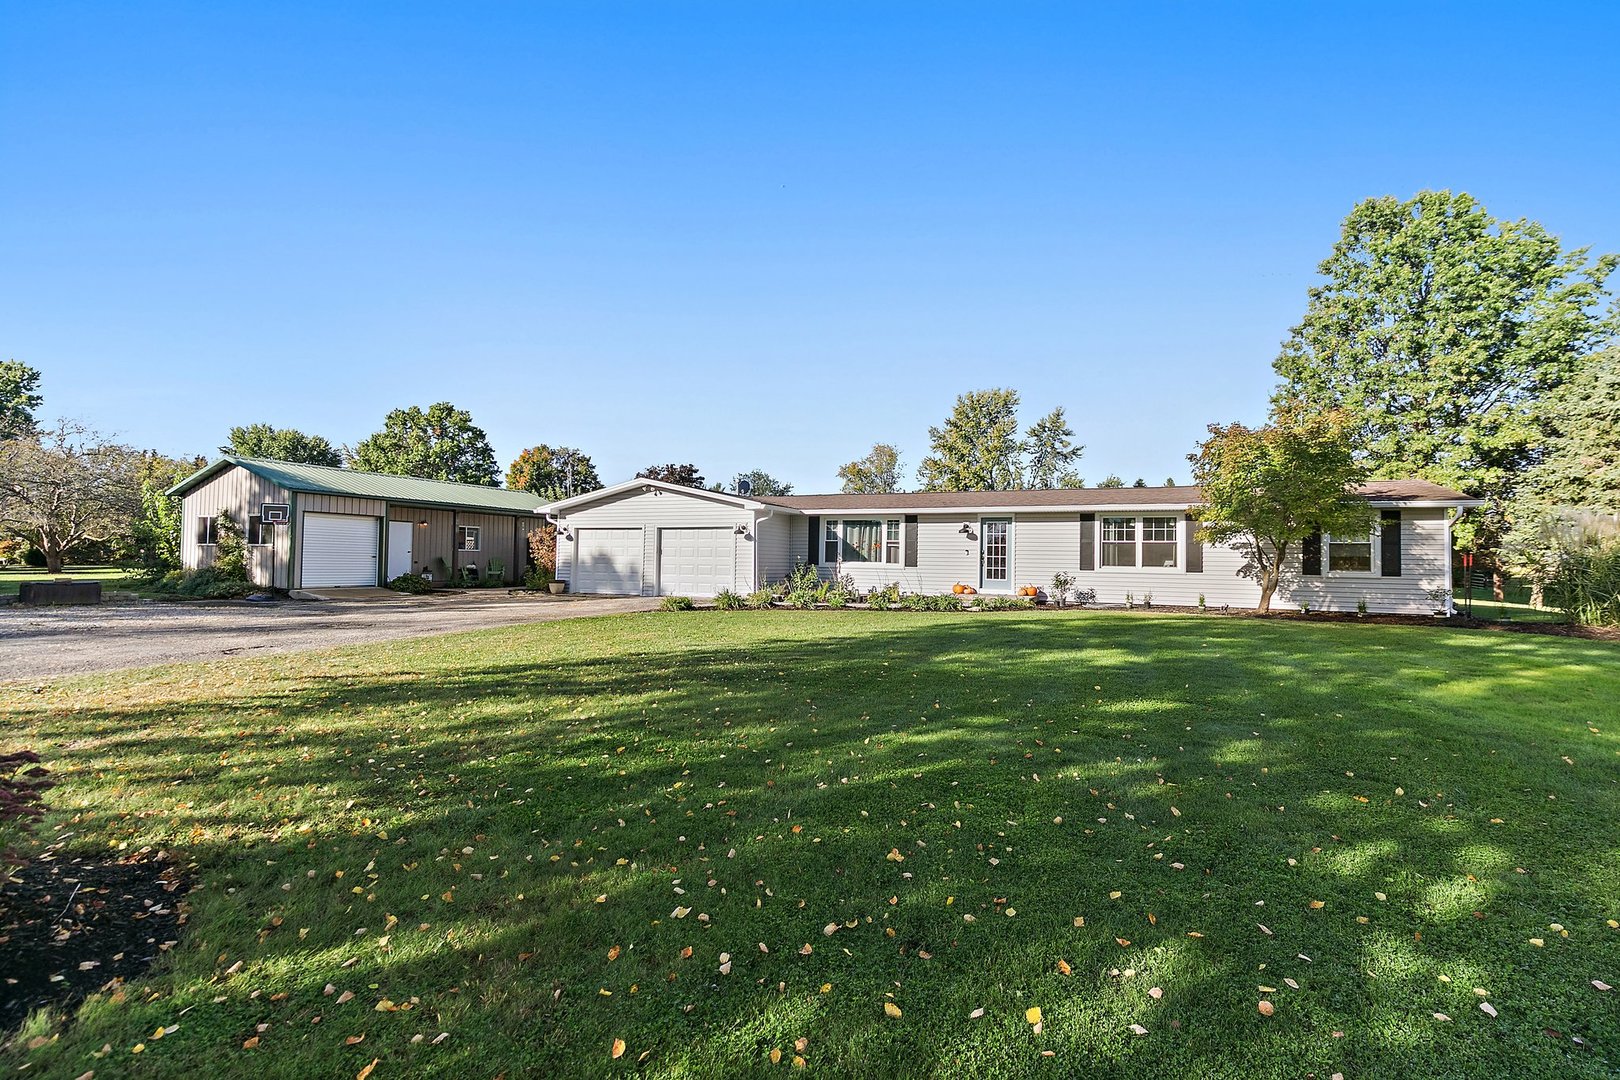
x=651, y=538
x=339, y=550
x=608, y=561
x=696, y=562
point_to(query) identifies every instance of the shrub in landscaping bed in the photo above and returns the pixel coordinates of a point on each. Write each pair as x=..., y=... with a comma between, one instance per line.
x=726, y=600
x=415, y=584
x=207, y=583
x=676, y=603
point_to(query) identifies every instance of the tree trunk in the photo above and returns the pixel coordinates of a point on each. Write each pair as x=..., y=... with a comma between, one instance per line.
x=1538, y=597
x=1497, y=592
x=1268, y=585
x=53, y=559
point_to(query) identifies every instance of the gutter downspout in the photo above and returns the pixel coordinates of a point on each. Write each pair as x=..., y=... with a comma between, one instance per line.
x=770, y=512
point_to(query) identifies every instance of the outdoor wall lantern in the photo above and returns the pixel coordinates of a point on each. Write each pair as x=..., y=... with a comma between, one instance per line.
x=741, y=530
x=422, y=524
x=967, y=529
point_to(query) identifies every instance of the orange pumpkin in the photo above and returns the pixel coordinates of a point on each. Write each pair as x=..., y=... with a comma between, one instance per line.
x=959, y=588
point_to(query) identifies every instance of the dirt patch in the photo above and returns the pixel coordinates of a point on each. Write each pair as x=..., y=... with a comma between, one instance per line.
x=71, y=925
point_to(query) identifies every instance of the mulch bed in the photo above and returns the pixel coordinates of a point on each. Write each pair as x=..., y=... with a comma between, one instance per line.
x=71, y=925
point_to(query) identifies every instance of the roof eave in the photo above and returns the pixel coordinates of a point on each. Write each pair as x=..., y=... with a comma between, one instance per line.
x=646, y=484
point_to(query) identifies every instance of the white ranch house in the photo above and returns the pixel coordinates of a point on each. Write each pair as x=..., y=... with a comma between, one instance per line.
x=649, y=538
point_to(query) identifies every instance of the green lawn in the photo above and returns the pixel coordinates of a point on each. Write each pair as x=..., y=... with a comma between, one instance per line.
x=1359, y=824
x=111, y=577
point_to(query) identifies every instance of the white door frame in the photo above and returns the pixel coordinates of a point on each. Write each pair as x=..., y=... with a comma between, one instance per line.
x=985, y=583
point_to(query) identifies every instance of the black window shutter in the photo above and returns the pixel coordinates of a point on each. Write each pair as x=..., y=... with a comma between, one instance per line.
x=1311, y=555
x=1389, y=543
x=911, y=540
x=1195, y=547
x=815, y=540
x=1088, y=541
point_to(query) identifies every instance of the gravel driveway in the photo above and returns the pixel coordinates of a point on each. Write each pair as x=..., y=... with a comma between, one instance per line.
x=41, y=643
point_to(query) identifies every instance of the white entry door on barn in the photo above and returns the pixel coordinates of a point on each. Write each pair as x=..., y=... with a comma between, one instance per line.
x=607, y=561
x=401, y=535
x=696, y=562
x=339, y=549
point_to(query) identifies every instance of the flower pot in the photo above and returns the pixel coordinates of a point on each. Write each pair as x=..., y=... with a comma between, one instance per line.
x=557, y=588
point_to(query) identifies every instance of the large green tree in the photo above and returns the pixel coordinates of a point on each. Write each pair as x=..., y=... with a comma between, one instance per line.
x=1051, y=453
x=686, y=475
x=555, y=472
x=280, y=444
x=761, y=482
x=977, y=448
x=1267, y=489
x=878, y=473
x=19, y=397
x=1438, y=330
x=440, y=442
x=154, y=535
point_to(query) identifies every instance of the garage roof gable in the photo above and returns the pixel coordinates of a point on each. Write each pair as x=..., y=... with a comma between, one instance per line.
x=642, y=483
x=326, y=480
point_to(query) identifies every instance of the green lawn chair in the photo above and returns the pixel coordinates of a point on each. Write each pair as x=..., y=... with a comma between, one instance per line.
x=495, y=572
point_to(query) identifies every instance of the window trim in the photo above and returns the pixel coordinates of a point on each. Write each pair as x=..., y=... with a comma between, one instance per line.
x=1138, y=542
x=256, y=536
x=477, y=532
x=1174, y=542
x=1372, y=555
x=210, y=530
x=832, y=542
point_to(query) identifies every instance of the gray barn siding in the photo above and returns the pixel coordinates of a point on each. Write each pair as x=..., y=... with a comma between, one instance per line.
x=327, y=504
x=241, y=494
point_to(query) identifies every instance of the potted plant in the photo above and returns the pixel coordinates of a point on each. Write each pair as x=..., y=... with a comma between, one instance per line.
x=556, y=588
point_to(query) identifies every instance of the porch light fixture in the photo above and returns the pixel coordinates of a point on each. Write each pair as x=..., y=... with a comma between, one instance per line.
x=741, y=530
x=422, y=524
x=967, y=529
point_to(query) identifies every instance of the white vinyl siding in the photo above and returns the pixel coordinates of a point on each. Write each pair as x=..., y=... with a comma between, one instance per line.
x=339, y=550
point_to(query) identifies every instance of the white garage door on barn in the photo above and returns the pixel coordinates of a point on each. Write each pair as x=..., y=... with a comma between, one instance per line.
x=696, y=562
x=339, y=549
x=608, y=561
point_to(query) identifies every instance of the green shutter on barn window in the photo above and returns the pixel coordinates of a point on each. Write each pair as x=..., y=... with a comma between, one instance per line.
x=1088, y=541
x=1311, y=555
x=1389, y=543
x=911, y=540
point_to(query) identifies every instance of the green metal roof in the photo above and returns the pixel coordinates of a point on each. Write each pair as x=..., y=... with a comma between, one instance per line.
x=325, y=480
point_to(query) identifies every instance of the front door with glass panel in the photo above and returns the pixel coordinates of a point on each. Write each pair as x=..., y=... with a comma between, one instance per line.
x=995, y=554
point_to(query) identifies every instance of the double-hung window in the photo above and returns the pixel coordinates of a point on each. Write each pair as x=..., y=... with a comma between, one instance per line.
x=858, y=540
x=467, y=537
x=1159, y=541
x=207, y=531
x=1118, y=541
x=260, y=533
x=1350, y=554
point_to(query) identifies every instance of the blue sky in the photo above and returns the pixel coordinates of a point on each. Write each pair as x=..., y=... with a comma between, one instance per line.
x=751, y=235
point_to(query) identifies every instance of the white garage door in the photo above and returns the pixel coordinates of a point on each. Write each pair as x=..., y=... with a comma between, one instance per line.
x=339, y=549
x=607, y=561
x=695, y=562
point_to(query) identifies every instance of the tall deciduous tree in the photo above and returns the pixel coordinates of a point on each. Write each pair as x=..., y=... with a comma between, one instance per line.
x=977, y=448
x=554, y=472
x=280, y=444
x=878, y=473
x=686, y=475
x=66, y=486
x=1438, y=331
x=761, y=482
x=438, y=443
x=19, y=397
x=1051, y=453
x=1267, y=489
x=154, y=535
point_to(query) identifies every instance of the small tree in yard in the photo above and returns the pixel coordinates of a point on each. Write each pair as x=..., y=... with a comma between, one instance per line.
x=1266, y=489
x=66, y=486
x=230, y=548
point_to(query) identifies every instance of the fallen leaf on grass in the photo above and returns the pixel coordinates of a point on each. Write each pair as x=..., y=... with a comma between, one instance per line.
x=613, y=953
x=776, y=1055
x=1266, y=1008
x=365, y=1072
x=249, y=1044
x=975, y=1014
x=618, y=1049
x=1138, y=1029
x=352, y=1039
x=1064, y=968
x=891, y=1010
x=1033, y=1014
x=1487, y=1008
x=1599, y=984
x=1155, y=993
x=1443, y=1018
x=347, y=995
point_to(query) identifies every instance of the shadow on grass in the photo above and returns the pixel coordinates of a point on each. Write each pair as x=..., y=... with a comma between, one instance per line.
x=1246, y=790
